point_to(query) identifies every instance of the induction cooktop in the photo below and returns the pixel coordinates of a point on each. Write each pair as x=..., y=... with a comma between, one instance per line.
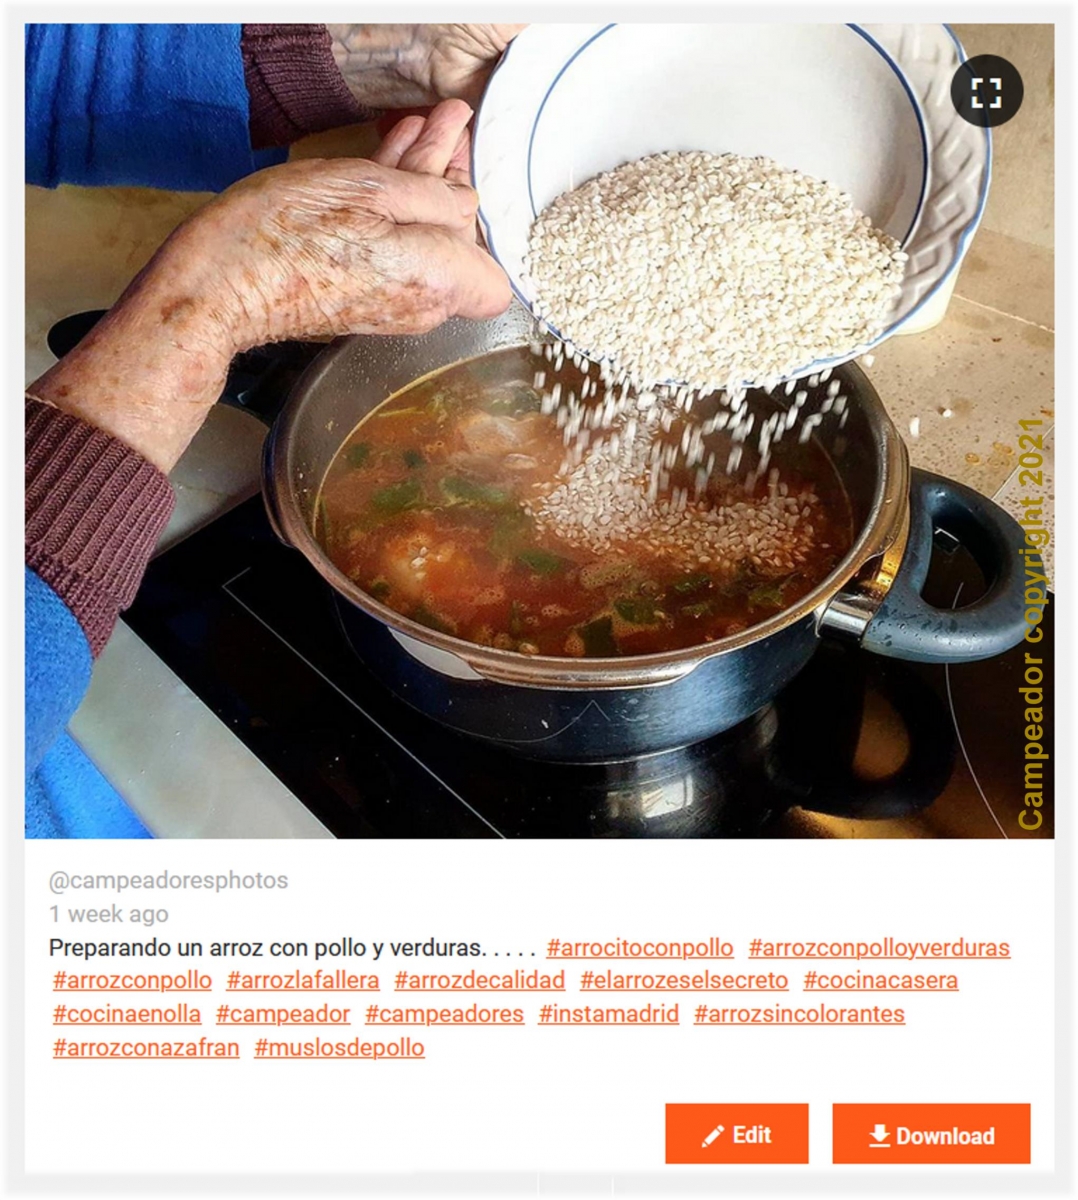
x=855, y=746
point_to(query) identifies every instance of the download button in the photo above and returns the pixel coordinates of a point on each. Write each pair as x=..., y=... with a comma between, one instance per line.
x=737, y=1133
x=930, y=1133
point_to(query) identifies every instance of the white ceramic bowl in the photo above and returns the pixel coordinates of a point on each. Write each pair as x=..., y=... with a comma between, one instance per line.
x=866, y=107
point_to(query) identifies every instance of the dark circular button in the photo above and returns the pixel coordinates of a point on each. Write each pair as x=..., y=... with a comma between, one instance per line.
x=987, y=90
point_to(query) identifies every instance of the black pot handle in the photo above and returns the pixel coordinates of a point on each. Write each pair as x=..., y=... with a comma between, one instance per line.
x=259, y=380
x=837, y=791
x=907, y=626
x=821, y=721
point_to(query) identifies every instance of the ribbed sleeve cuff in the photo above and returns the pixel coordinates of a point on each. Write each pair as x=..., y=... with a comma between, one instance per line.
x=94, y=511
x=295, y=87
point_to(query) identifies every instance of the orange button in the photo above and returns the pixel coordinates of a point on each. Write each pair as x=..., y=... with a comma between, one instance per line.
x=737, y=1133
x=930, y=1133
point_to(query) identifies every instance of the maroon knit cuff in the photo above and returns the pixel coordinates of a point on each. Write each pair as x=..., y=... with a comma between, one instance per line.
x=94, y=511
x=294, y=85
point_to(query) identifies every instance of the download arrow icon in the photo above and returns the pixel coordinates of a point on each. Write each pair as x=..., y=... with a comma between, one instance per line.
x=880, y=1135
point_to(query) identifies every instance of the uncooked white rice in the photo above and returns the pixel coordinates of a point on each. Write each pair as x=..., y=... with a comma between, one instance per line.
x=607, y=501
x=715, y=271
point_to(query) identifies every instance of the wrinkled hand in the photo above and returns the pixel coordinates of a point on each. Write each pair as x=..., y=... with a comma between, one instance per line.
x=459, y=58
x=317, y=248
x=307, y=250
x=438, y=143
x=401, y=66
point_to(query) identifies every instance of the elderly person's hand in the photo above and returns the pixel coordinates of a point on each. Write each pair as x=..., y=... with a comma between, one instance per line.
x=404, y=66
x=316, y=248
x=310, y=249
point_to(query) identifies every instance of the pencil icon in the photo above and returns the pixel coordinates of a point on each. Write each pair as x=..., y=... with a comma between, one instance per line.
x=712, y=1136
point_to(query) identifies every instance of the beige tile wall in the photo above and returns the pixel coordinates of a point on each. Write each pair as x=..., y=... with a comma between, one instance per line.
x=1022, y=198
x=991, y=361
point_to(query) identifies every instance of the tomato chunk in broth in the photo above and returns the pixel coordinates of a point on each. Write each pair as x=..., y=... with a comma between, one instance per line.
x=458, y=503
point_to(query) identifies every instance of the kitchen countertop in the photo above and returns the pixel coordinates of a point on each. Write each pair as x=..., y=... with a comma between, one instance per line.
x=989, y=363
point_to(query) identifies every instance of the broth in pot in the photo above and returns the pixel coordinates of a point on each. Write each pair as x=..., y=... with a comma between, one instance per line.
x=467, y=503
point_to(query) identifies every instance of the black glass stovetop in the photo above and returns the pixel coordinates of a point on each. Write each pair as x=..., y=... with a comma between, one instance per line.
x=856, y=746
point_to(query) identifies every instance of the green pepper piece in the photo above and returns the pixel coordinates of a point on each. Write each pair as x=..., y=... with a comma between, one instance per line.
x=637, y=610
x=413, y=459
x=357, y=455
x=379, y=589
x=701, y=609
x=687, y=584
x=397, y=497
x=511, y=527
x=424, y=616
x=768, y=595
x=542, y=562
x=598, y=638
x=466, y=491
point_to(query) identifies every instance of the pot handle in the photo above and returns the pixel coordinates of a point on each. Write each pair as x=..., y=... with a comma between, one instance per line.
x=261, y=380
x=907, y=626
x=834, y=789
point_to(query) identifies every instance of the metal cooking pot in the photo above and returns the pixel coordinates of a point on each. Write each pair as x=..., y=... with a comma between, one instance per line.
x=595, y=709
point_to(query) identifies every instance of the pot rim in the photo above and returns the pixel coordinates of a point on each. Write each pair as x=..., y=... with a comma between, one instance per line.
x=881, y=529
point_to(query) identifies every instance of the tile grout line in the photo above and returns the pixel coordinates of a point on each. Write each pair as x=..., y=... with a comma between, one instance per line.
x=1001, y=313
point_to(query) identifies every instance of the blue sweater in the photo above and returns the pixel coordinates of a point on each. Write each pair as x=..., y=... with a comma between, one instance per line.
x=155, y=105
